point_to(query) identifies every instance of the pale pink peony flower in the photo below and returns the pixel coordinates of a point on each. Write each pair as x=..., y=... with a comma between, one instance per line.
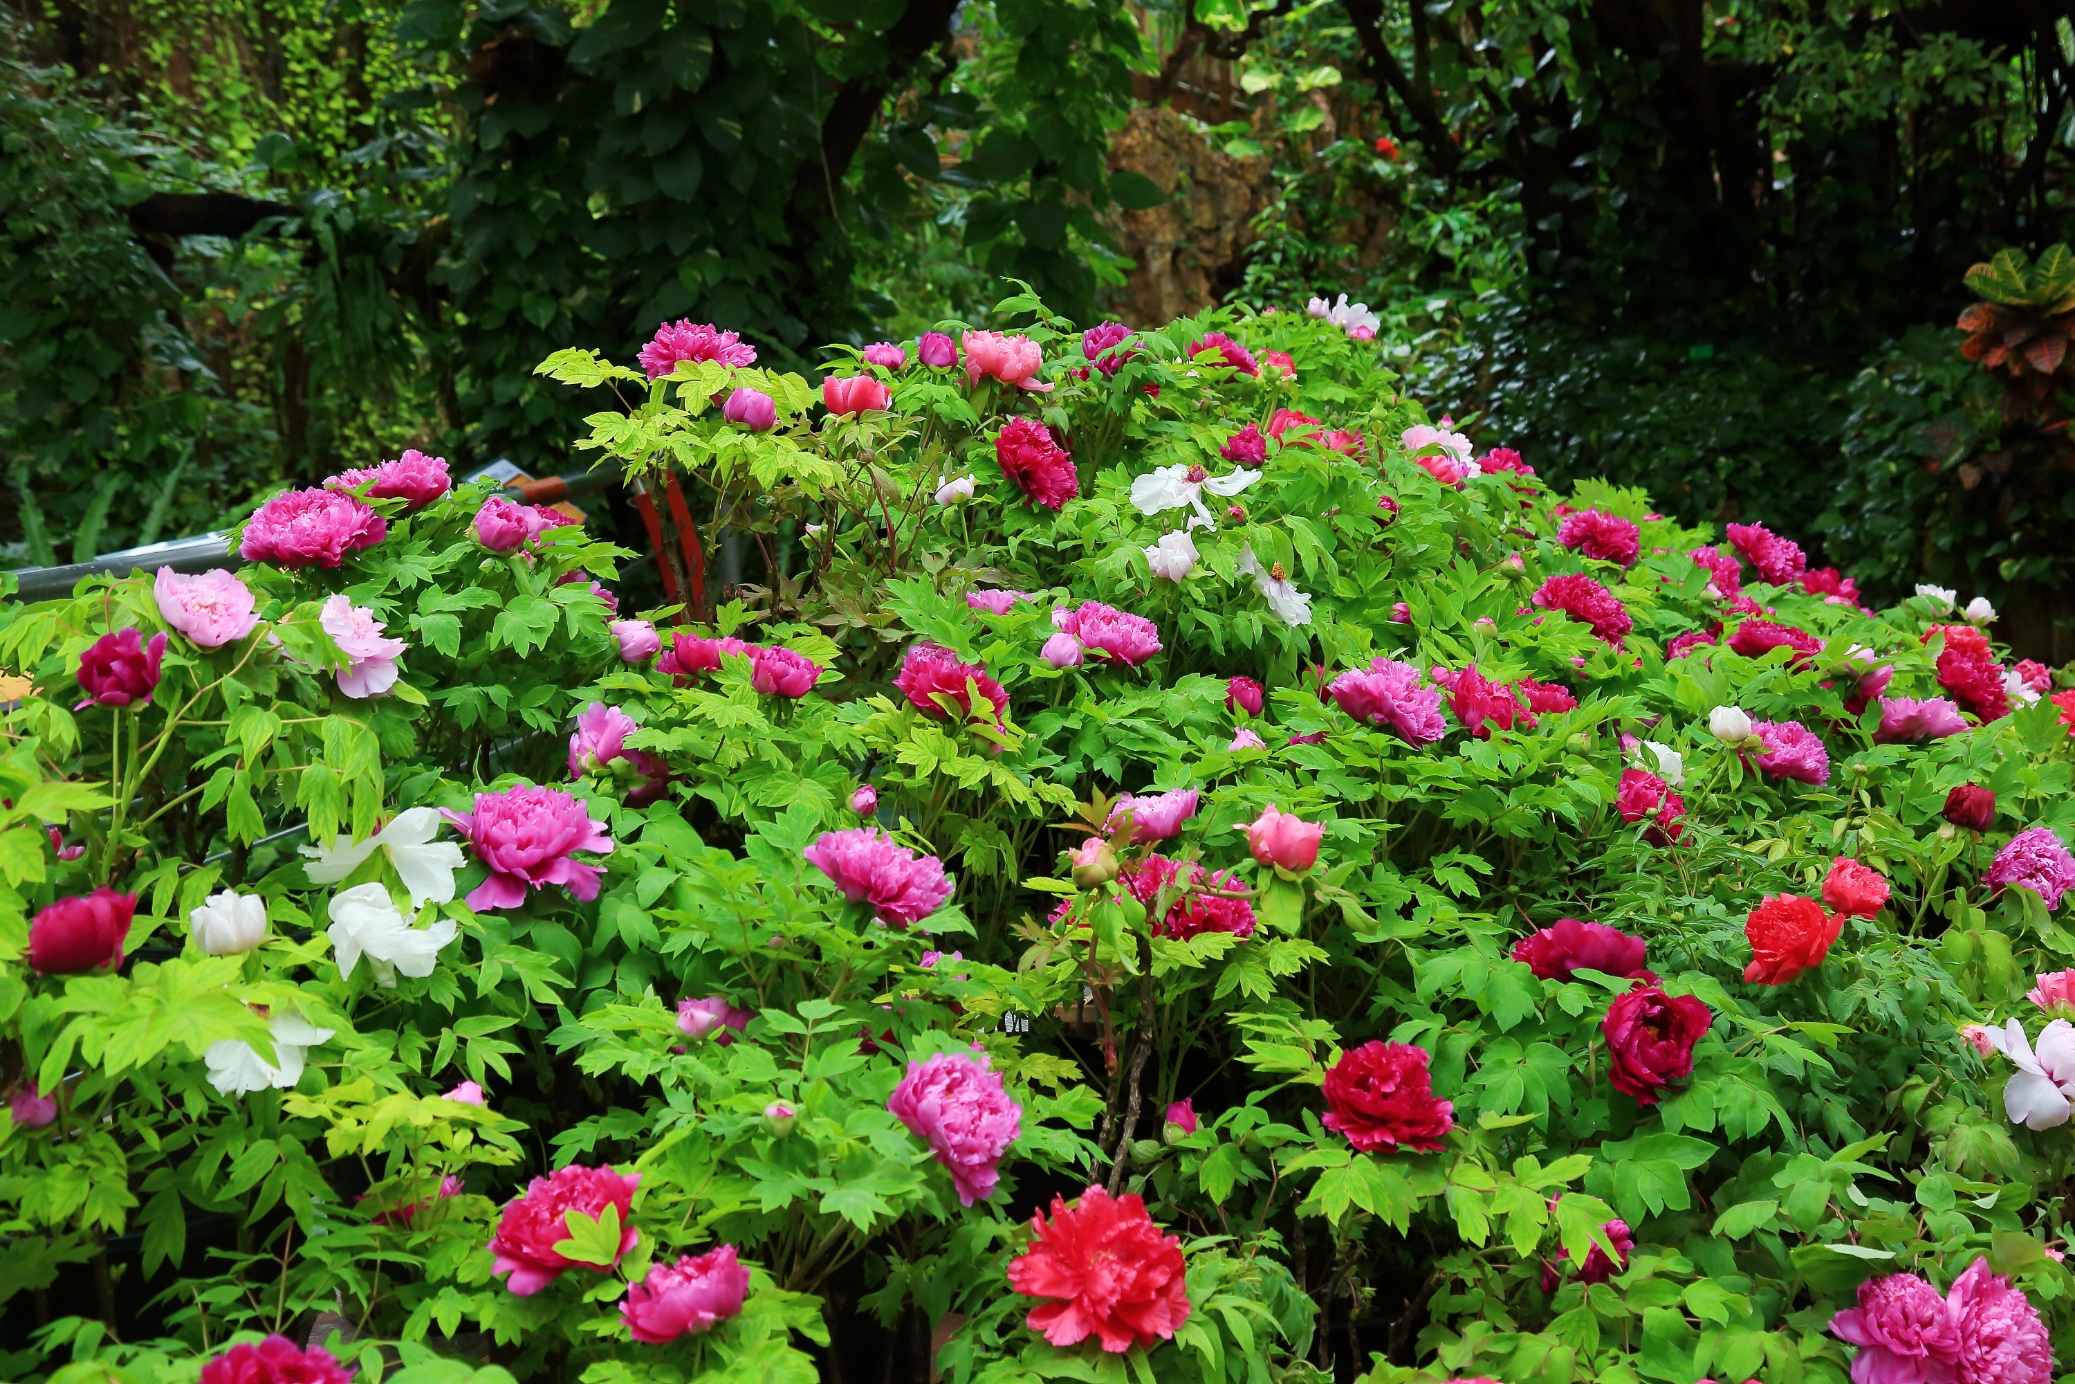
x=370, y=667
x=1904, y=1331
x=887, y=354
x=1905, y=720
x=783, y=673
x=995, y=602
x=962, y=1110
x=310, y=528
x=1245, y=739
x=528, y=837
x=2041, y=1095
x=1791, y=751
x=2036, y=860
x=1156, y=817
x=1283, y=839
x=686, y=340
x=683, y=1299
x=600, y=743
x=1110, y=633
x=638, y=639
x=1387, y=693
x=1978, y=1037
x=871, y=867
x=1013, y=360
x=211, y=610
x=698, y=1019
x=414, y=478
x=936, y=350
x=2055, y=993
x=2002, y=1340
x=1062, y=651
x=468, y=1093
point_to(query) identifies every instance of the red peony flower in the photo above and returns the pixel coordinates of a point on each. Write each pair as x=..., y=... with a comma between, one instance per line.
x=1567, y=945
x=1725, y=573
x=83, y=933
x=533, y=1224
x=276, y=1360
x=931, y=672
x=1108, y=1272
x=1967, y=669
x=1041, y=468
x=1642, y=794
x=1650, y=1040
x=1381, y=1096
x=1757, y=638
x=1789, y=934
x=1855, y=890
x=1588, y=602
x=1970, y=806
x=1546, y=698
x=1601, y=536
x=1779, y=561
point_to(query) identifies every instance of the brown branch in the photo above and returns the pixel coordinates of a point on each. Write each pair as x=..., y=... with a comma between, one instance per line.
x=1367, y=18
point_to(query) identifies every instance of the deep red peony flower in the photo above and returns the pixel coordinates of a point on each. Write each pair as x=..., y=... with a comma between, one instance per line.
x=1108, y=1271
x=1757, y=638
x=1381, y=1096
x=83, y=933
x=1789, y=934
x=1854, y=889
x=1040, y=467
x=1650, y=1040
x=1970, y=806
x=1568, y=944
x=534, y=1224
x=276, y=1360
x=1967, y=669
x=1192, y=913
x=1586, y=601
x=1642, y=794
x=121, y=668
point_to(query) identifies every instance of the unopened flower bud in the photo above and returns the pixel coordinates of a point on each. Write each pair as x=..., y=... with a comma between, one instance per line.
x=780, y=1118
x=1094, y=864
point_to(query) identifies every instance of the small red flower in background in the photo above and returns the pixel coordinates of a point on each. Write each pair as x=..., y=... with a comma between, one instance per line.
x=1381, y=1096
x=1789, y=935
x=1854, y=889
x=1108, y=1271
x=1387, y=147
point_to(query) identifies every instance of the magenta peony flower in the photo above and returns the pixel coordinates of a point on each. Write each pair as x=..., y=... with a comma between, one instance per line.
x=502, y=525
x=698, y=1019
x=2037, y=860
x=1387, y=693
x=533, y=1225
x=936, y=350
x=995, y=602
x=1157, y=817
x=1013, y=360
x=1109, y=633
x=1597, y=1268
x=1650, y=1039
x=1684, y=644
x=310, y=528
x=1568, y=945
x=1644, y=795
x=276, y=1360
x=2002, y=1340
x=844, y=395
x=932, y=675
x=528, y=837
x=1182, y=1115
x=865, y=801
x=1725, y=573
x=1757, y=638
x=1904, y=1330
x=2055, y=993
x=414, y=478
x=120, y=668
x=1601, y=536
x=751, y=409
x=1099, y=344
x=783, y=673
x=1792, y=751
x=370, y=667
x=1905, y=720
x=82, y=933
x=1779, y=561
x=963, y=1112
x=690, y=655
x=1038, y=466
x=31, y=1108
x=1381, y=1096
x=1587, y=602
x=637, y=639
x=885, y=353
x=1244, y=696
x=684, y=340
x=1223, y=350
x=1246, y=447
x=871, y=867
x=683, y=1299
x=211, y=610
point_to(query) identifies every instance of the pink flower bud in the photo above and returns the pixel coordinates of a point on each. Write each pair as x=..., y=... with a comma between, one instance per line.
x=1401, y=613
x=1284, y=840
x=1094, y=863
x=468, y=1093
x=31, y=1109
x=1244, y=695
x=638, y=639
x=936, y=350
x=865, y=801
x=887, y=354
x=1062, y=650
x=1180, y=1122
x=751, y=409
x=854, y=394
x=779, y=1118
x=502, y=525
x=699, y=1018
x=82, y=933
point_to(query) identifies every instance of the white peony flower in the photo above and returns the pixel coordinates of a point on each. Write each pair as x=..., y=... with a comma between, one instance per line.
x=1349, y=317
x=1941, y=596
x=425, y=866
x=1172, y=487
x=954, y=492
x=236, y=1068
x=2039, y=1096
x=1980, y=611
x=229, y=923
x=1291, y=606
x=2015, y=688
x=364, y=922
x=1730, y=725
x=1661, y=760
x=1173, y=557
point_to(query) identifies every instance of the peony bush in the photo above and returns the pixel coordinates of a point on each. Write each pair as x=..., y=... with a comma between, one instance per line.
x=1185, y=870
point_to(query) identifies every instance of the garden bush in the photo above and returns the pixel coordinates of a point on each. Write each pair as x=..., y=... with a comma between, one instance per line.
x=1185, y=873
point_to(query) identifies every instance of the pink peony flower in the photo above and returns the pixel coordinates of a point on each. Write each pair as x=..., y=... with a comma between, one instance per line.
x=1857, y=890
x=1504, y=459
x=1014, y=360
x=1099, y=344
x=1038, y=466
x=1725, y=573
x=1792, y=751
x=1482, y=705
x=468, y=1093
x=1388, y=693
x=1601, y=536
x=1568, y=945
x=2035, y=676
x=750, y=408
x=1643, y=795
x=211, y=610
x=871, y=867
x=637, y=639
x=698, y=1019
x=533, y=1225
x=865, y=801
x=783, y=673
x=276, y=1360
x=885, y=354
x=1182, y=1115
x=31, y=1108
x=936, y=350
x=691, y=655
x=2055, y=993
x=932, y=676
x=1587, y=602
x=1247, y=447
x=1546, y=698
x=1224, y=351
x=684, y=340
x=1156, y=817
x=1906, y=720
x=2037, y=860
x=1109, y=633
x=121, y=668
x=528, y=837
x=963, y=1112
x=1757, y=638
x=1063, y=651
x=1245, y=738
x=693, y=1295
x=1244, y=695
x=1401, y=612
x=1684, y=644
x=502, y=525
x=600, y=742
x=1832, y=585
x=370, y=667
x=1282, y=362
x=310, y=528
x=2002, y=1340
x=1198, y=898
x=82, y=933
x=414, y=478
x=1283, y=840
x=1779, y=561
x=1446, y=469
x=995, y=602
x=1597, y=1268
x=845, y=395
x=1904, y=1331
